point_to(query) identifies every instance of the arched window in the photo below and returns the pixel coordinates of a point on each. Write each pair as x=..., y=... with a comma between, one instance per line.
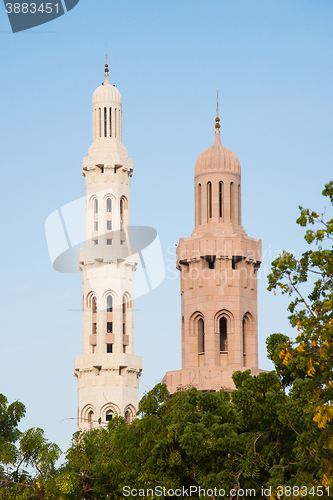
x=223, y=334
x=246, y=333
x=128, y=416
x=201, y=335
x=209, y=200
x=109, y=415
x=96, y=206
x=109, y=303
x=239, y=206
x=109, y=205
x=124, y=314
x=90, y=419
x=94, y=311
x=199, y=204
x=220, y=199
x=232, y=207
x=105, y=123
x=121, y=213
x=110, y=121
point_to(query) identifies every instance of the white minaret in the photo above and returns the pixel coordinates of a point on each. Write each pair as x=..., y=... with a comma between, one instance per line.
x=108, y=371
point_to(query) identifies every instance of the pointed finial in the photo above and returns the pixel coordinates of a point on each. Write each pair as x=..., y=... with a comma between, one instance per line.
x=217, y=119
x=106, y=70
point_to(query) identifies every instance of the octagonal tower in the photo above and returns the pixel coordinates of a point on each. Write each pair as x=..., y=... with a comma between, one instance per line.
x=108, y=370
x=218, y=266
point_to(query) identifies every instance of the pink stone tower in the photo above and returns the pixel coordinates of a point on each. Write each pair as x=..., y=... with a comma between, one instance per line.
x=218, y=279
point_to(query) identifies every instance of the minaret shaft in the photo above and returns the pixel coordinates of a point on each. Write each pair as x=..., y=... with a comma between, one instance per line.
x=218, y=273
x=108, y=370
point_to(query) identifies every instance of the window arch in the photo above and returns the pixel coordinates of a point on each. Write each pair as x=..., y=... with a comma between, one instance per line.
x=90, y=419
x=88, y=416
x=108, y=412
x=223, y=331
x=224, y=326
x=109, y=415
x=129, y=414
x=246, y=333
x=209, y=200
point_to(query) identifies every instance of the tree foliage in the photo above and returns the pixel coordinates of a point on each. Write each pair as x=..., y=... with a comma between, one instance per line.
x=274, y=429
x=306, y=364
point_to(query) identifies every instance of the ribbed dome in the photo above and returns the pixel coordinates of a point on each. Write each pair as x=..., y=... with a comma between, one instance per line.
x=217, y=157
x=105, y=93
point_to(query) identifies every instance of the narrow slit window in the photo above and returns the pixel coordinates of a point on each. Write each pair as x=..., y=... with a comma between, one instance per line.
x=109, y=348
x=209, y=200
x=223, y=334
x=115, y=122
x=110, y=121
x=96, y=226
x=109, y=205
x=109, y=327
x=100, y=122
x=105, y=123
x=121, y=213
x=124, y=315
x=90, y=419
x=220, y=199
x=201, y=335
x=109, y=304
x=96, y=206
x=109, y=225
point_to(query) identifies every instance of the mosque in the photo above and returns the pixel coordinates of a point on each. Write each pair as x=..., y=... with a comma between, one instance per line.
x=218, y=265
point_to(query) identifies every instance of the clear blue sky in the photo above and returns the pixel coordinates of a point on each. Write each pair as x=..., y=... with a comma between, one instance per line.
x=272, y=63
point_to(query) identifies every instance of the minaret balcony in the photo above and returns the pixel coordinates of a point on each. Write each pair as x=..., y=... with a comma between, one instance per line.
x=93, y=339
x=109, y=338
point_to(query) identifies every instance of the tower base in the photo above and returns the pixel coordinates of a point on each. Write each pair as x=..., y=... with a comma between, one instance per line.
x=204, y=378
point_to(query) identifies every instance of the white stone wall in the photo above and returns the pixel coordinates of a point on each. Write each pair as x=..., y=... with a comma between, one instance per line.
x=107, y=381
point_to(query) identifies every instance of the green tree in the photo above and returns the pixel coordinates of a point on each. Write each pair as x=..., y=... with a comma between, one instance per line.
x=19, y=451
x=306, y=364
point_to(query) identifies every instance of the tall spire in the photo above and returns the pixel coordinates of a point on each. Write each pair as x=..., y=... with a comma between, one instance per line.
x=106, y=70
x=217, y=119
